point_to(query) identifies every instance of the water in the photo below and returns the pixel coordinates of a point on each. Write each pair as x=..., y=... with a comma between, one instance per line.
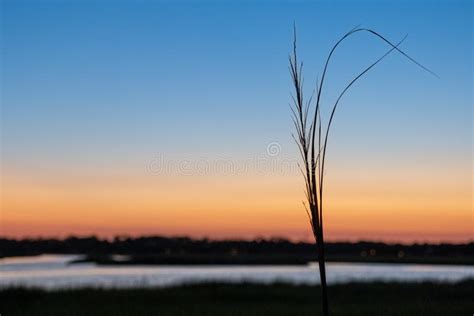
x=54, y=271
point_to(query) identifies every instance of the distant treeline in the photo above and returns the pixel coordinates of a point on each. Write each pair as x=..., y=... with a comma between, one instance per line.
x=184, y=246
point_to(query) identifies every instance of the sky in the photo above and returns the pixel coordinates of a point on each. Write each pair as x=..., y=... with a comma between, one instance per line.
x=172, y=118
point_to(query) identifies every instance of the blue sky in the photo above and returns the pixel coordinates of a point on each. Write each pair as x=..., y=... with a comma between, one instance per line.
x=87, y=84
x=93, y=91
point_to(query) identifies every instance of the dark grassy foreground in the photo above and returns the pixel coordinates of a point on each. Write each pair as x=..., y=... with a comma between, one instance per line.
x=247, y=299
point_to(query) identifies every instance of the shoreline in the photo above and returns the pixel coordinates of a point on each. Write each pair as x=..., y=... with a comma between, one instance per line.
x=248, y=260
x=259, y=260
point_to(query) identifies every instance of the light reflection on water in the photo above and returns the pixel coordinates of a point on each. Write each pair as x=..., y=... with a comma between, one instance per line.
x=54, y=271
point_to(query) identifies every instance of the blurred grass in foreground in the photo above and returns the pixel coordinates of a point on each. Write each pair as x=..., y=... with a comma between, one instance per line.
x=246, y=299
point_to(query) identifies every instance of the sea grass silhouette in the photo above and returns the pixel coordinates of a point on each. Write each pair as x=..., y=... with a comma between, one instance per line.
x=312, y=146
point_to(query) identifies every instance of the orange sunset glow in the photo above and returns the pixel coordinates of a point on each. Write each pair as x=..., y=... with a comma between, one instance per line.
x=360, y=205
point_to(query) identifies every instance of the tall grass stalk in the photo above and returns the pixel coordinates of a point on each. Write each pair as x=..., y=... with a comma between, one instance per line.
x=312, y=137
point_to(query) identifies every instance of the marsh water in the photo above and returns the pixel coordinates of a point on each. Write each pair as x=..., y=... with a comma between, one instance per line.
x=57, y=271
